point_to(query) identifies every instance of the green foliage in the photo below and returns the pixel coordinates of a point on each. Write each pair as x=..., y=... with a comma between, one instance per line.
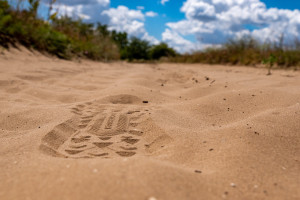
x=161, y=50
x=137, y=49
x=63, y=37
x=34, y=5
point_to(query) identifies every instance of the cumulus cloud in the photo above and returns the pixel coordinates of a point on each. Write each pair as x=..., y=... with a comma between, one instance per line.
x=151, y=14
x=178, y=42
x=88, y=10
x=213, y=22
x=119, y=19
x=123, y=19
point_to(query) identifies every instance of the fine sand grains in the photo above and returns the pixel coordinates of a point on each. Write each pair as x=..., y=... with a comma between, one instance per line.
x=92, y=130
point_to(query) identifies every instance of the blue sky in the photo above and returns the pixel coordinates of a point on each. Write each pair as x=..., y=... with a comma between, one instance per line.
x=170, y=12
x=190, y=25
x=166, y=13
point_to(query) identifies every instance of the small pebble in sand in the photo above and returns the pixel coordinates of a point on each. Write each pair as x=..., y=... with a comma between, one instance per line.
x=233, y=185
x=162, y=84
x=145, y=101
x=211, y=149
x=198, y=171
x=207, y=78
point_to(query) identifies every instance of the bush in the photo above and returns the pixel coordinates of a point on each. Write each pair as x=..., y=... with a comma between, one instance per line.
x=137, y=49
x=161, y=50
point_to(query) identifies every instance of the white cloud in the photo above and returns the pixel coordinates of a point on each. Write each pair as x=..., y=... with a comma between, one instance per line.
x=131, y=21
x=88, y=10
x=213, y=22
x=178, y=42
x=120, y=19
x=151, y=14
x=164, y=1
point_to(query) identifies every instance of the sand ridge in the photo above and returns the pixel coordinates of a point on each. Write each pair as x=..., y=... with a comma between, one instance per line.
x=90, y=130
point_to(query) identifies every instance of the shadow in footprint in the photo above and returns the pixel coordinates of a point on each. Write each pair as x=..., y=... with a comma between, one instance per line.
x=102, y=144
x=125, y=153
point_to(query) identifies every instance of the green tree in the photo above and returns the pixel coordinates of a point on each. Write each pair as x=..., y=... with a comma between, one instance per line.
x=121, y=39
x=161, y=50
x=137, y=49
x=102, y=30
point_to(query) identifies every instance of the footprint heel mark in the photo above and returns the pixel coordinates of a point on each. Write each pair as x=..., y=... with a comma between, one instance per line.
x=82, y=126
x=77, y=146
x=73, y=152
x=80, y=139
x=58, y=136
x=130, y=140
x=136, y=132
x=129, y=148
x=102, y=144
x=125, y=153
x=105, y=138
x=99, y=154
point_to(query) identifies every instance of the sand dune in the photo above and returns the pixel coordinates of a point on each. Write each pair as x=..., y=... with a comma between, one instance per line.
x=89, y=130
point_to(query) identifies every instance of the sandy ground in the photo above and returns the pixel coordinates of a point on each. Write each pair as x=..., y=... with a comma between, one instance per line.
x=80, y=130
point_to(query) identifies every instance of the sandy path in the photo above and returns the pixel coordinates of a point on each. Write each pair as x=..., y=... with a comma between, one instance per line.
x=73, y=130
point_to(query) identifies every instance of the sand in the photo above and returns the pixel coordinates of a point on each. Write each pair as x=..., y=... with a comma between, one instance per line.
x=89, y=130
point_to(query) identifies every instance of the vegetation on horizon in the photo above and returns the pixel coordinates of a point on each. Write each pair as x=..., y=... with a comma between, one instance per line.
x=66, y=38
x=246, y=51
